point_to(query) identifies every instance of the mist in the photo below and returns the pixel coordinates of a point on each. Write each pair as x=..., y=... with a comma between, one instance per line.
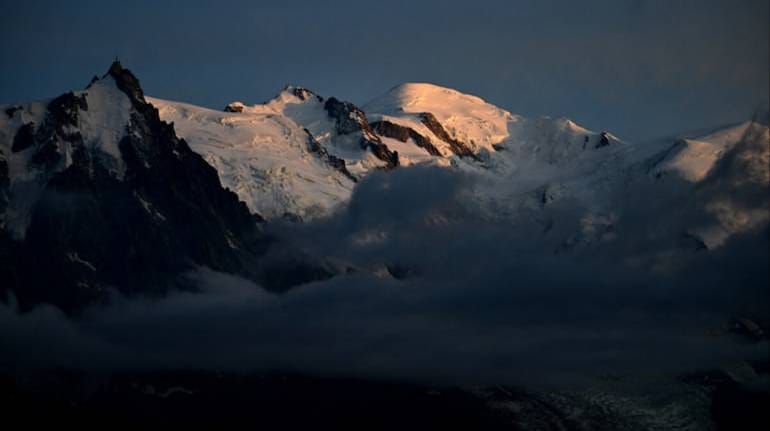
x=433, y=289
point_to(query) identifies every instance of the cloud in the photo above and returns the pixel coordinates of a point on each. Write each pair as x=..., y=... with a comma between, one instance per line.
x=479, y=302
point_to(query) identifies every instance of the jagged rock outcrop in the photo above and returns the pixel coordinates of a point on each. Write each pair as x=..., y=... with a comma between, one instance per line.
x=604, y=140
x=59, y=129
x=237, y=107
x=335, y=162
x=303, y=93
x=24, y=138
x=459, y=148
x=403, y=134
x=350, y=120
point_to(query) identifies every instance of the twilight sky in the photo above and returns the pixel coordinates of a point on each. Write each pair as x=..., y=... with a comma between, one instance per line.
x=640, y=68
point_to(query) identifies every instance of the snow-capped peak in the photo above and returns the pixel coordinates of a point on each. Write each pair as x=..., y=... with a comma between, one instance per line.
x=294, y=95
x=449, y=123
x=693, y=158
x=466, y=118
x=292, y=92
x=415, y=96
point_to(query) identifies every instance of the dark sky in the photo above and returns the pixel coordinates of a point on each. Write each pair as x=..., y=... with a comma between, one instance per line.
x=639, y=68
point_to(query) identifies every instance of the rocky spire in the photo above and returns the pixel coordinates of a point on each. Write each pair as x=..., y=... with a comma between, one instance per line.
x=126, y=81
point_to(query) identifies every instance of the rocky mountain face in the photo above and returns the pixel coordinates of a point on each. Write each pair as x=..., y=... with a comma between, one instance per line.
x=98, y=193
x=403, y=134
x=349, y=120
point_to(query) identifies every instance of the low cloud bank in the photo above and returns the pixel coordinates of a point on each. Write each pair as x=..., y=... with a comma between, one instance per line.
x=551, y=297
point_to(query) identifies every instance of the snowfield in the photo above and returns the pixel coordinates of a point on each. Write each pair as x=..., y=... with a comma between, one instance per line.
x=261, y=152
x=694, y=158
x=263, y=156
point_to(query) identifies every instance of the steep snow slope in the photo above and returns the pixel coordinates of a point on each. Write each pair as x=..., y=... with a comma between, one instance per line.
x=269, y=160
x=707, y=188
x=729, y=172
x=556, y=142
x=340, y=127
x=100, y=123
x=694, y=158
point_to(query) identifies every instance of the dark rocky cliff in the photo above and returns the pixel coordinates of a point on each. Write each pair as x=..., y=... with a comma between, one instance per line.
x=91, y=232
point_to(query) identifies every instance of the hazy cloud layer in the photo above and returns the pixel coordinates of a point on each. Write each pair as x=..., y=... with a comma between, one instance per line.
x=481, y=303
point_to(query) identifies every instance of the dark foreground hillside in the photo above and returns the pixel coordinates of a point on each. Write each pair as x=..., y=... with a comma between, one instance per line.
x=712, y=400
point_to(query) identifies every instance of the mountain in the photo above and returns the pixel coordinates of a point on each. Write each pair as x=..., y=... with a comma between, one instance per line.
x=274, y=164
x=694, y=158
x=341, y=127
x=99, y=194
x=728, y=173
x=299, y=155
x=105, y=189
x=452, y=123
